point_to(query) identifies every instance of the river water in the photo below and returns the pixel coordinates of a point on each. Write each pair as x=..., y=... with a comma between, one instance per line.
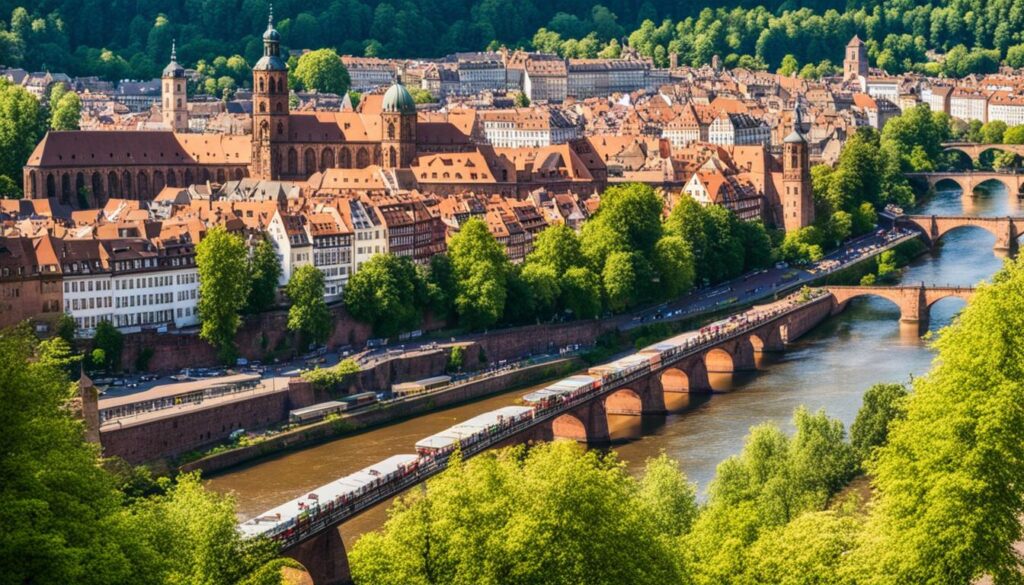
x=829, y=368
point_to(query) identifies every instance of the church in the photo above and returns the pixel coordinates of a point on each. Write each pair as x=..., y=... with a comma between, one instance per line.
x=86, y=168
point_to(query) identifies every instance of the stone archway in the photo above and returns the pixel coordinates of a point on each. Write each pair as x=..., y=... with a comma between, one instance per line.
x=362, y=158
x=675, y=380
x=345, y=161
x=624, y=401
x=569, y=426
x=719, y=361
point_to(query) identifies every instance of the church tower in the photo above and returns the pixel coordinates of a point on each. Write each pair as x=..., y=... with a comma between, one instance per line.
x=855, y=64
x=398, y=121
x=175, y=97
x=797, y=197
x=269, y=106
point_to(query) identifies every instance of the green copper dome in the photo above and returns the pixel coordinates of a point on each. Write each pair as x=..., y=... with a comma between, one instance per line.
x=398, y=99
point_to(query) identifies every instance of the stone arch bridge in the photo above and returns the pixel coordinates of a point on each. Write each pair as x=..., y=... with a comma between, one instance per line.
x=585, y=419
x=914, y=302
x=933, y=227
x=974, y=151
x=968, y=180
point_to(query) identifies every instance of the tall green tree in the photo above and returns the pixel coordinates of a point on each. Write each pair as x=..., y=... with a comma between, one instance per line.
x=264, y=274
x=383, y=293
x=66, y=110
x=481, y=273
x=22, y=124
x=323, y=71
x=223, y=289
x=308, y=313
x=111, y=341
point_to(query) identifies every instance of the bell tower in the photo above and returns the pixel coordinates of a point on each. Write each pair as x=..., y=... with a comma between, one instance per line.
x=797, y=196
x=174, y=94
x=398, y=121
x=269, y=106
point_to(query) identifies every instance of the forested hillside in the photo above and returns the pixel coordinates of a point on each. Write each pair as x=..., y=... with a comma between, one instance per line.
x=131, y=38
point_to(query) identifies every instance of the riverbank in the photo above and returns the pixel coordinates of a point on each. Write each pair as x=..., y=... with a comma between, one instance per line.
x=342, y=425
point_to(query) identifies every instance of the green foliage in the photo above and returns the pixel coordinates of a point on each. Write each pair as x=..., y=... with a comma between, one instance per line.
x=65, y=328
x=22, y=124
x=947, y=506
x=619, y=280
x=223, y=289
x=66, y=108
x=308, y=312
x=421, y=96
x=455, y=358
x=69, y=520
x=383, y=293
x=674, y=259
x=581, y=292
x=323, y=71
x=481, y=273
x=333, y=377
x=772, y=482
x=111, y=342
x=520, y=100
x=555, y=514
x=882, y=404
x=264, y=272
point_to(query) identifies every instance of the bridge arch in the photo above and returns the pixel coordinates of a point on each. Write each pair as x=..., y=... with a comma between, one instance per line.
x=675, y=380
x=322, y=557
x=569, y=426
x=624, y=401
x=719, y=361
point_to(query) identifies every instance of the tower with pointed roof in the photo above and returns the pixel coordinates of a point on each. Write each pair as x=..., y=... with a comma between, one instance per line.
x=855, y=64
x=269, y=105
x=174, y=94
x=797, y=195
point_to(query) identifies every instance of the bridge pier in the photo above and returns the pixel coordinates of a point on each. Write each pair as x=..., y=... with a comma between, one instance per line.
x=1006, y=238
x=587, y=423
x=324, y=558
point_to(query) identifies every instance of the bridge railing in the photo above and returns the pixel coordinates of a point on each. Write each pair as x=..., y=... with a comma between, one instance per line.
x=328, y=514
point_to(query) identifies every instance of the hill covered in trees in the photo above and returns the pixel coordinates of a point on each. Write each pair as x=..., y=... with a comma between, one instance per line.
x=119, y=39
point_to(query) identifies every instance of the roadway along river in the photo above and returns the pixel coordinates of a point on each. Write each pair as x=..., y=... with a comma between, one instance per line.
x=829, y=368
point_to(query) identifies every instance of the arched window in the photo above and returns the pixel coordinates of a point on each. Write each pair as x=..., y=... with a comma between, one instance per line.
x=280, y=108
x=263, y=107
x=280, y=128
x=362, y=158
x=293, y=161
x=262, y=85
x=309, y=158
x=391, y=130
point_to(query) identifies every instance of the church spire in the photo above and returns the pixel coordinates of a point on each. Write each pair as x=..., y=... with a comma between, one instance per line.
x=174, y=50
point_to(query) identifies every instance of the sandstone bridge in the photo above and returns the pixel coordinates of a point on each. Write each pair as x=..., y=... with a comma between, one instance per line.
x=933, y=227
x=321, y=550
x=966, y=181
x=974, y=151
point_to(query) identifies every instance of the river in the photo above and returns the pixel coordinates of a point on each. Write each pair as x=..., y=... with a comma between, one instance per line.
x=829, y=368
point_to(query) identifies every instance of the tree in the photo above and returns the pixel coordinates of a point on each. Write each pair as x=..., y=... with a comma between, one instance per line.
x=789, y=66
x=323, y=71
x=581, y=292
x=619, y=280
x=383, y=293
x=675, y=265
x=421, y=96
x=264, y=273
x=481, y=273
x=58, y=506
x=544, y=284
x=308, y=313
x=882, y=404
x=111, y=342
x=67, y=112
x=558, y=248
x=65, y=328
x=945, y=509
x=221, y=260
x=492, y=519
x=22, y=124
x=520, y=100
